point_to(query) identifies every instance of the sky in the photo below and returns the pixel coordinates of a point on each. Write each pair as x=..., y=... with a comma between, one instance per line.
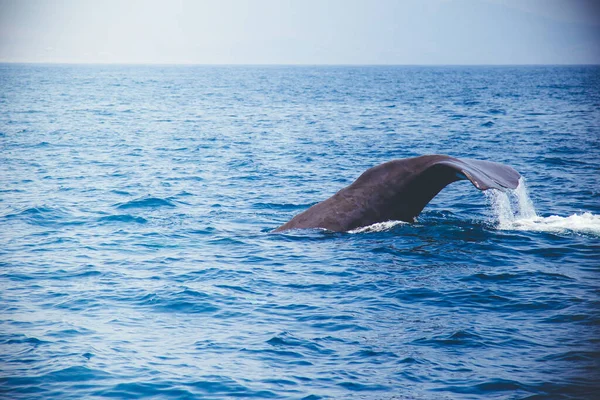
x=406, y=32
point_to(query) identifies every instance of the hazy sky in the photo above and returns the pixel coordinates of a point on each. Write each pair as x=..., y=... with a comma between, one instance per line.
x=301, y=31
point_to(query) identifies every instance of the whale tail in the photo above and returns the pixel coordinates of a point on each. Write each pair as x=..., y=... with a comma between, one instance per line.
x=485, y=175
x=399, y=190
x=429, y=178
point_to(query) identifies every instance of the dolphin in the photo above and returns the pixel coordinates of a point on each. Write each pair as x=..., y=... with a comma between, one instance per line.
x=398, y=190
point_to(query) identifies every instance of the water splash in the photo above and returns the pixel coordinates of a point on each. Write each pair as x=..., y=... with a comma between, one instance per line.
x=514, y=210
x=581, y=223
x=377, y=227
x=511, y=206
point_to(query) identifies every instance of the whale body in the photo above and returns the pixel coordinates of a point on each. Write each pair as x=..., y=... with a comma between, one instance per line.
x=398, y=190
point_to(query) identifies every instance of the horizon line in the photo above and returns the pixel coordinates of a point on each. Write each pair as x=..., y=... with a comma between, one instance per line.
x=157, y=64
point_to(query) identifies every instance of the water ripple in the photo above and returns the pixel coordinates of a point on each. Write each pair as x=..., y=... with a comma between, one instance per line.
x=137, y=259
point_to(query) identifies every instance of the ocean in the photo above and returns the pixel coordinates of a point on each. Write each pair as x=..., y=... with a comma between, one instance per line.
x=137, y=258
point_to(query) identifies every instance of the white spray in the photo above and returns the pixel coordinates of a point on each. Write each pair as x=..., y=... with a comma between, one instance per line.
x=511, y=206
x=514, y=210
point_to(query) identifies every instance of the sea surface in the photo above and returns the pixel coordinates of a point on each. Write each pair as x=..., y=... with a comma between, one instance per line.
x=137, y=259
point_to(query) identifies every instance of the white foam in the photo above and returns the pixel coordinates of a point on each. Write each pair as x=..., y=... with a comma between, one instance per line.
x=377, y=227
x=583, y=223
x=514, y=210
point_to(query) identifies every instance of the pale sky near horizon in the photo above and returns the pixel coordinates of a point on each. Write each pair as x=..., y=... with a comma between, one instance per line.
x=301, y=31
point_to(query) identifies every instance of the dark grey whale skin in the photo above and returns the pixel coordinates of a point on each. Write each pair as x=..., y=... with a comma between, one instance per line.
x=398, y=190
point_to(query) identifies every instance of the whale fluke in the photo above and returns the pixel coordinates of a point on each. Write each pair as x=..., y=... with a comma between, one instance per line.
x=399, y=190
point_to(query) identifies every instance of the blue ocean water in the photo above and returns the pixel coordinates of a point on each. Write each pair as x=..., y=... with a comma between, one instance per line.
x=136, y=259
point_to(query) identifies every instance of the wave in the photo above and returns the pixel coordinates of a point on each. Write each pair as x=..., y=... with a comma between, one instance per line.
x=46, y=216
x=514, y=210
x=40, y=212
x=146, y=202
x=123, y=218
x=282, y=206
